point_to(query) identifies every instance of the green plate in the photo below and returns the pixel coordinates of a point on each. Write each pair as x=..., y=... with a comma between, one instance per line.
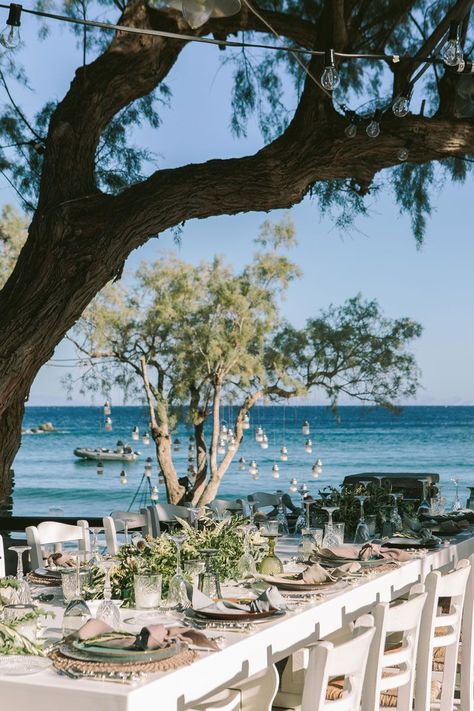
x=119, y=656
x=335, y=562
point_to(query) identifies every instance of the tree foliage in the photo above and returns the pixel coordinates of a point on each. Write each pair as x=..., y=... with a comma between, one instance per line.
x=13, y=233
x=188, y=339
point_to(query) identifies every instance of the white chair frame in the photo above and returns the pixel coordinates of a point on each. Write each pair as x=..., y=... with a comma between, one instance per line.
x=2, y=558
x=451, y=585
x=115, y=523
x=263, y=499
x=55, y=533
x=467, y=645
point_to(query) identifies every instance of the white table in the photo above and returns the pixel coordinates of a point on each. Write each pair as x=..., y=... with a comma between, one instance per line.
x=245, y=654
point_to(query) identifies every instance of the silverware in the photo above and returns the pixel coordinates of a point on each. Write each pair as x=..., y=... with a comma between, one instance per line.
x=117, y=677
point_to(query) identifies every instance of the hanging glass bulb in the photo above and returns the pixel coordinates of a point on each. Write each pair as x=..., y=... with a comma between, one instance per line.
x=303, y=489
x=107, y=408
x=284, y=454
x=403, y=153
x=401, y=106
x=123, y=477
x=293, y=486
x=221, y=446
x=246, y=422
x=253, y=468
x=10, y=36
x=232, y=446
x=100, y=468
x=154, y=493
x=264, y=442
x=242, y=464
x=259, y=434
x=305, y=428
x=177, y=445
x=119, y=446
x=256, y=476
x=224, y=432
x=452, y=50
x=148, y=466
x=146, y=438
x=135, y=434
x=108, y=424
x=373, y=128
x=330, y=75
x=198, y=12
x=308, y=447
x=316, y=469
x=275, y=471
x=351, y=130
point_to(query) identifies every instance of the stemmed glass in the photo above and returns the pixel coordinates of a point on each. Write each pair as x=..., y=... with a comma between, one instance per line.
x=395, y=517
x=246, y=564
x=330, y=537
x=362, y=534
x=108, y=610
x=283, y=529
x=301, y=520
x=77, y=611
x=24, y=592
x=177, y=587
x=194, y=515
x=425, y=505
x=457, y=505
x=95, y=554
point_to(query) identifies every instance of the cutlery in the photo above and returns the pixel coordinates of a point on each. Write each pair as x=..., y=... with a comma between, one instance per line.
x=116, y=677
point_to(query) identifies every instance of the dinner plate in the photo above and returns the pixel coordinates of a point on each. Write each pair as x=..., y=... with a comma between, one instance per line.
x=119, y=656
x=411, y=543
x=22, y=664
x=48, y=573
x=335, y=562
x=238, y=616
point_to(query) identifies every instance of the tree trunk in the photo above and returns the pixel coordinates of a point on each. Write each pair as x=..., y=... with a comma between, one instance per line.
x=174, y=491
x=10, y=439
x=201, y=461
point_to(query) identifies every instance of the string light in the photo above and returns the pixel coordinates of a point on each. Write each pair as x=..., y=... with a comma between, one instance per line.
x=351, y=129
x=146, y=438
x=135, y=434
x=403, y=153
x=148, y=467
x=275, y=471
x=284, y=454
x=242, y=464
x=100, y=468
x=305, y=428
x=293, y=488
x=10, y=36
x=123, y=477
x=246, y=422
x=154, y=493
x=330, y=76
x=253, y=468
x=452, y=49
x=308, y=447
x=373, y=128
x=401, y=105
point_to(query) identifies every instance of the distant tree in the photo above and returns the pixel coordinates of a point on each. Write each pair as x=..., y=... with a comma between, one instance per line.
x=190, y=338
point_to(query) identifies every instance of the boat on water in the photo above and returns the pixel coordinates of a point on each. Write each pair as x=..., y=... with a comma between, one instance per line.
x=122, y=453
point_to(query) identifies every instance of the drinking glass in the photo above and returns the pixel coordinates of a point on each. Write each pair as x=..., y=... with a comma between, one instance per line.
x=305, y=547
x=77, y=611
x=95, y=553
x=194, y=515
x=395, y=517
x=246, y=564
x=301, y=520
x=362, y=534
x=177, y=587
x=330, y=536
x=24, y=592
x=457, y=505
x=69, y=583
x=283, y=528
x=193, y=569
x=147, y=589
x=108, y=611
x=209, y=580
x=317, y=535
x=29, y=628
x=337, y=530
x=424, y=506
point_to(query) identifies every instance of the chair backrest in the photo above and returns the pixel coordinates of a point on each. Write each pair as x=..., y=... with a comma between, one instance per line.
x=220, y=506
x=263, y=499
x=467, y=647
x=117, y=521
x=403, y=620
x=2, y=558
x=347, y=660
x=49, y=533
x=440, y=627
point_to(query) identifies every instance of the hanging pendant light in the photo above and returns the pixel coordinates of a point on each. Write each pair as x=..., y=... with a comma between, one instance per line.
x=123, y=477
x=154, y=493
x=256, y=476
x=303, y=489
x=100, y=468
x=275, y=471
x=316, y=469
x=177, y=445
x=308, y=447
x=198, y=12
x=221, y=446
x=284, y=454
x=107, y=408
x=119, y=446
x=246, y=422
x=293, y=488
x=146, y=438
x=108, y=424
x=259, y=434
x=253, y=468
x=224, y=432
x=135, y=434
x=242, y=464
x=148, y=467
x=305, y=428
x=264, y=442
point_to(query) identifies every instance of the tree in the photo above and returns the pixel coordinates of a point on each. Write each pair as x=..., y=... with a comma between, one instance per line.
x=91, y=195
x=189, y=339
x=13, y=233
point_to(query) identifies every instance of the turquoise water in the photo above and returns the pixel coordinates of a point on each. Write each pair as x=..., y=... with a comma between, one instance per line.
x=50, y=480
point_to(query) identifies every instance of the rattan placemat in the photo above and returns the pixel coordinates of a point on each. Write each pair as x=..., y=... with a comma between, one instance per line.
x=187, y=656
x=43, y=580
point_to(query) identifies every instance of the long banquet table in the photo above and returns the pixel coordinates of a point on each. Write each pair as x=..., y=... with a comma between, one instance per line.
x=244, y=654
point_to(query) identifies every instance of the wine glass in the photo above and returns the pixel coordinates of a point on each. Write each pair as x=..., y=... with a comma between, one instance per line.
x=425, y=505
x=177, y=588
x=301, y=520
x=24, y=592
x=395, y=517
x=209, y=580
x=457, y=505
x=330, y=537
x=108, y=611
x=246, y=564
x=95, y=553
x=283, y=528
x=77, y=611
x=362, y=534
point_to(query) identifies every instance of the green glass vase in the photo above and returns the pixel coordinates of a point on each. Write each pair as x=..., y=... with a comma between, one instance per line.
x=271, y=564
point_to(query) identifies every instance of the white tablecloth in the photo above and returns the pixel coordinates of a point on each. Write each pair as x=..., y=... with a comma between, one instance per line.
x=244, y=654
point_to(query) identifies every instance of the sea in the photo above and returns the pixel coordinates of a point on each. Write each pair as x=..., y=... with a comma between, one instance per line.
x=51, y=481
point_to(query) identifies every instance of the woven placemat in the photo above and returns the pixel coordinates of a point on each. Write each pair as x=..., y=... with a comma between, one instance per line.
x=43, y=580
x=184, y=658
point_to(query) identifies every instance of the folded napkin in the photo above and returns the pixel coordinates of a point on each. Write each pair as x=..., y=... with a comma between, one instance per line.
x=270, y=599
x=99, y=634
x=369, y=551
x=61, y=560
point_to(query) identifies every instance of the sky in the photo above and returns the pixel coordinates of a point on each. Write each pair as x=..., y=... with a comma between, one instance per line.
x=379, y=258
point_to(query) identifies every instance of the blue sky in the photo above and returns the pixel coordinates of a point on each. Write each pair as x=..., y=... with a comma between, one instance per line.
x=433, y=285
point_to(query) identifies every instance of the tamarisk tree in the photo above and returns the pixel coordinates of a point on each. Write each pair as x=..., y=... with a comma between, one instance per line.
x=188, y=339
x=93, y=198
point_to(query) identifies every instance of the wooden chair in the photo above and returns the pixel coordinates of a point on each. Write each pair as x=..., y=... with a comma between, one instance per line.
x=2, y=558
x=253, y=694
x=390, y=675
x=53, y=533
x=165, y=513
x=227, y=700
x=440, y=630
x=346, y=661
x=262, y=499
x=117, y=522
x=220, y=506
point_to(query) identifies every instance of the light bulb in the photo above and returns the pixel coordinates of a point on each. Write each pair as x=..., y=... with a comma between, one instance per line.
x=10, y=36
x=123, y=477
x=108, y=424
x=264, y=442
x=305, y=428
x=154, y=493
x=221, y=447
x=452, y=50
x=275, y=471
x=401, y=106
x=107, y=408
x=293, y=486
x=146, y=438
x=351, y=130
x=177, y=445
x=284, y=454
x=253, y=469
x=246, y=423
x=135, y=433
x=197, y=12
x=330, y=75
x=242, y=464
x=148, y=466
x=402, y=153
x=308, y=448
x=100, y=468
x=259, y=434
x=373, y=129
